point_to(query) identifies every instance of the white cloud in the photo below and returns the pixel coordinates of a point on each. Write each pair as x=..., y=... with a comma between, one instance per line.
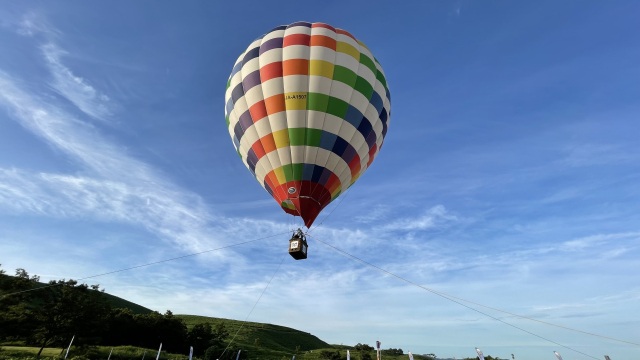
x=431, y=218
x=76, y=89
x=586, y=242
x=33, y=23
x=118, y=187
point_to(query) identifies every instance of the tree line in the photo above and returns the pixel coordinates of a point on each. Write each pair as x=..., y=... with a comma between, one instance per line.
x=45, y=315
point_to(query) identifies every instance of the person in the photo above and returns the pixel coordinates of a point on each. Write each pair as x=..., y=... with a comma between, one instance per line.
x=298, y=234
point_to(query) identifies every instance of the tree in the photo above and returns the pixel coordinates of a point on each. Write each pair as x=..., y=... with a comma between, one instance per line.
x=16, y=300
x=218, y=342
x=121, y=328
x=330, y=355
x=200, y=337
x=156, y=328
x=365, y=356
x=364, y=350
x=363, y=347
x=393, y=352
x=66, y=309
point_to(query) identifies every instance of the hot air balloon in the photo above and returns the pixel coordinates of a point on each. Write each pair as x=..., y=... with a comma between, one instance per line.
x=307, y=108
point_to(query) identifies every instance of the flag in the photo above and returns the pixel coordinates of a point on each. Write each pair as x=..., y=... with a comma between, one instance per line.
x=410, y=356
x=68, y=348
x=190, y=352
x=160, y=349
x=557, y=355
x=480, y=354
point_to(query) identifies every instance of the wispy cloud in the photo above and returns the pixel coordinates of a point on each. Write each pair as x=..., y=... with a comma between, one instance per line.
x=34, y=24
x=430, y=218
x=591, y=241
x=74, y=88
x=117, y=187
x=591, y=154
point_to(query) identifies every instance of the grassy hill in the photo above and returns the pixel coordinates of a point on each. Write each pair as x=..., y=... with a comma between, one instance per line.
x=256, y=340
x=114, y=301
x=265, y=339
x=117, y=302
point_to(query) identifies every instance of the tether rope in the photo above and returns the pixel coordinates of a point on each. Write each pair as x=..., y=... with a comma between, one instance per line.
x=453, y=299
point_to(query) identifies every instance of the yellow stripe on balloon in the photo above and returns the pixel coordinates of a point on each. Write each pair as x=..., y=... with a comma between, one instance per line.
x=321, y=68
x=348, y=49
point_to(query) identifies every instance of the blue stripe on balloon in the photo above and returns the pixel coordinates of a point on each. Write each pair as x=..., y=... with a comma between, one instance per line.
x=245, y=120
x=238, y=131
x=279, y=27
x=324, y=177
x=317, y=172
x=228, y=107
x=271, y=44
x=252, y=160
x=353, y=116
x=237, y=93
x=250, y=55
x=251, y=80
x=384, y=117
x=327, y=140
x=300, y=23
x=235, y=69
x=376, y=101
x=366, y=129
x=339, y=146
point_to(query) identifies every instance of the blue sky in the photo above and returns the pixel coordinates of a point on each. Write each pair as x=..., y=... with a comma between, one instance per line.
x=508, y=179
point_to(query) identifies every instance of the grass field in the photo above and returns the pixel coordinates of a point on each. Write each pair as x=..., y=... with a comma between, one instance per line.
x=97, y=353
x=29, y=351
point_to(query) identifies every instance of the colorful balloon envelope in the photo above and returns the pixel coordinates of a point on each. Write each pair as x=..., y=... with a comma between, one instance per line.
x=307, y=106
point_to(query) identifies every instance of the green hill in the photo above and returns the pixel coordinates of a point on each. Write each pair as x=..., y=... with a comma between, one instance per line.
x=117, y=302
x=114, y=301
x=258, y=338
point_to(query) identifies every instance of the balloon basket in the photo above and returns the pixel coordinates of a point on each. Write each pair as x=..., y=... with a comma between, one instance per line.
x=298, y=247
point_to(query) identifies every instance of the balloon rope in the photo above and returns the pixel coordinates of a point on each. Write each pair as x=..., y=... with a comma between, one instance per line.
x=253, y=307
x=340, y=200
x=460, y=301
x=151, y=263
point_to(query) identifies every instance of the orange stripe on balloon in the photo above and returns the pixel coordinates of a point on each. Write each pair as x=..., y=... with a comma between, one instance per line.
x=268, y=143
x=258, y=149
x=354, y=165
x=275, y=104
x=271, y=71
x=258, y=111
x=321, y=40
x=333, y=183
x=323, y=25
x=295, y=67
x=295, y=39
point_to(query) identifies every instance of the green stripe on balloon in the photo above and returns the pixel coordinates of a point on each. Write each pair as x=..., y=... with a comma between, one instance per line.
x=305, y=137
x=293, y=171
x=344, y=75
x=366, y=61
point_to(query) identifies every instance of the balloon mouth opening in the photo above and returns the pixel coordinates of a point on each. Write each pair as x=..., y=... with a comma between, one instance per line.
x=304, y=199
